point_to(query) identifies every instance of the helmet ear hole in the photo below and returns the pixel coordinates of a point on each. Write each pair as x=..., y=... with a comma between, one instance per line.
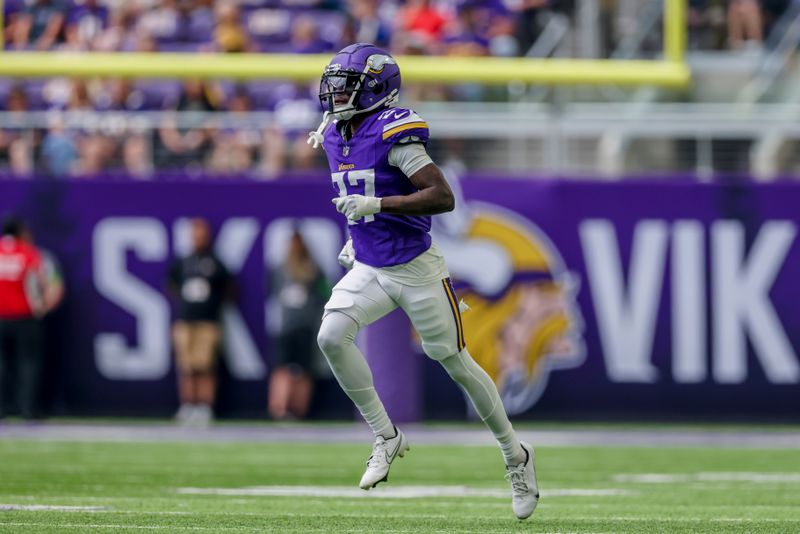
x=379, y=88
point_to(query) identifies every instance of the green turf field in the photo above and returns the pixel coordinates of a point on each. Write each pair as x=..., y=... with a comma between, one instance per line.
x=136, y=487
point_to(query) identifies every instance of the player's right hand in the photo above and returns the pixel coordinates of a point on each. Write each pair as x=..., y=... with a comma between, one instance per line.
x=348, y=255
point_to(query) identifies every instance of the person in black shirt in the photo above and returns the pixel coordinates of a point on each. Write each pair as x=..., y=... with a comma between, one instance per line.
x=300, y=290
x=200, y=284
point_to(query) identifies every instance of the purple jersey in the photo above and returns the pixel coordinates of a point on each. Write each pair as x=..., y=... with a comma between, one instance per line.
x=361, y=166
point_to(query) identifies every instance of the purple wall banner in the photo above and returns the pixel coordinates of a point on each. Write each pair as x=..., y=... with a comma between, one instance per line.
x=629, y=299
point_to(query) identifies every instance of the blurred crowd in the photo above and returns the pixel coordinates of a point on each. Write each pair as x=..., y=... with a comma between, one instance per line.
x=472, y=27
x=113, y=142
x=440, y=27
x=734, y=24
x=109, y=132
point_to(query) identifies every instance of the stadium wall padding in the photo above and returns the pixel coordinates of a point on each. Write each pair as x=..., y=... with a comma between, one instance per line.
x=633, y=299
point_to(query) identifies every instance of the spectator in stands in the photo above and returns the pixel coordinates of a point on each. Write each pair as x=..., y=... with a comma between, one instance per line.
x=85, y=25
x=235, y=146
x=17, y=141
x=200, y=284
x=468, y=33
x=421, y=19
x=11, y=15
x=200, y=21
x=160, y=23
x=79, y=99
x=367, y=25
x=117, y=141
x=230, y=34
x=40, y=26
x=94, y=148
x=120, y=35
x=179, y=25
x=308, y=4
x=187, y=147
x=745, y=24
x=118, y=94
x=305, y=37
x=60, y=93
x=22, y=288
x=300, y=290
x=144, y=42
x=133, y=139
x=502, y=39
x=296, y=109
x=59, y=149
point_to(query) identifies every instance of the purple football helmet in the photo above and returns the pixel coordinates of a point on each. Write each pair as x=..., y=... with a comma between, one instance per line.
x=359, y=79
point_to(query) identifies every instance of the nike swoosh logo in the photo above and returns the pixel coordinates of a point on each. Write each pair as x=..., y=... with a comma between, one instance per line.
x=401, y=114
x=390, y=456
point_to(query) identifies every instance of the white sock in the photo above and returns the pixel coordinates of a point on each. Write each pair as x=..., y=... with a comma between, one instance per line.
x=480, y=389
x=336, y=338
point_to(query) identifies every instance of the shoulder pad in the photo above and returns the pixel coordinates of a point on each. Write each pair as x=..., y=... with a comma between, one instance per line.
x=400, y=123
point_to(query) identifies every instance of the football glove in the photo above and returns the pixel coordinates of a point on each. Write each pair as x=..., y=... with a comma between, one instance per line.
x=356, y=206
x=348, y=255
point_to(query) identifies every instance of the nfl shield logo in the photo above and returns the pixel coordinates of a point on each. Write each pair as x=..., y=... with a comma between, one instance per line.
x=346, y=151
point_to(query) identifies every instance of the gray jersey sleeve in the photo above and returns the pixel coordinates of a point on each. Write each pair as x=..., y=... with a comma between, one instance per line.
x=409, y=157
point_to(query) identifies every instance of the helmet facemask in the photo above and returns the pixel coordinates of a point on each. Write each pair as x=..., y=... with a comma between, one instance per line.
x=338, y=92
x=341, y=91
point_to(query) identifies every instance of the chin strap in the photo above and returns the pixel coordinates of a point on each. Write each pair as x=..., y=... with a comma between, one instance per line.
x=315, y=138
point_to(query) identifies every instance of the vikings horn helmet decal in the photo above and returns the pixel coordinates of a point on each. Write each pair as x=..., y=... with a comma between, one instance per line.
x=359, y=79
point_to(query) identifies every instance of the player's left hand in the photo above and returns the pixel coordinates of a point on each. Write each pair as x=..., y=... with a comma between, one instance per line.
x=356, y=206
x=347, y=257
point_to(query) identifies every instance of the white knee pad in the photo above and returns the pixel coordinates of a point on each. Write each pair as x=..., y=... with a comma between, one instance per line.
x=337, y=330
x=336, y=339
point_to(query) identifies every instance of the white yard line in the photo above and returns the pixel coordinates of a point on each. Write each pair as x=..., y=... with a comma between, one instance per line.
x=324, y=530
x=708, y=476
x=137, y=527
x=396, y=492
x=50, y=508
x=639, y=519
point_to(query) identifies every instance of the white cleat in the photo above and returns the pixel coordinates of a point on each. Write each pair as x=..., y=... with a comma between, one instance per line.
x=384, y=451
x=184, y=413
x=524, y=489
x=201, y=416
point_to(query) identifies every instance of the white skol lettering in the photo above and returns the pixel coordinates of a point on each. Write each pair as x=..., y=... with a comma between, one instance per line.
x=234, y=243
x=149, y=359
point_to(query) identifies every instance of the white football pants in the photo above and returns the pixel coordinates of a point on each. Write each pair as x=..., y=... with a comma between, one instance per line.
x=363, y=296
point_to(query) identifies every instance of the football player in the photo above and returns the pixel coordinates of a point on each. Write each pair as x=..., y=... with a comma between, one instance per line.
x=388, y=188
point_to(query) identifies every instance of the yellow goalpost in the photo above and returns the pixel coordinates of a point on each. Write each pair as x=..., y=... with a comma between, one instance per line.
x=671, y=71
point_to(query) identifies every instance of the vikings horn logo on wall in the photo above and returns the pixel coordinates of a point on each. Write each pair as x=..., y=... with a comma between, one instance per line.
x=524, y=320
